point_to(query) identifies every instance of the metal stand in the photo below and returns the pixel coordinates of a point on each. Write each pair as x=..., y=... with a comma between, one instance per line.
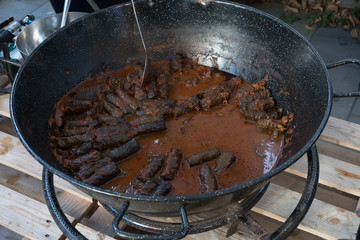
x=237, y=213
x=8, y=68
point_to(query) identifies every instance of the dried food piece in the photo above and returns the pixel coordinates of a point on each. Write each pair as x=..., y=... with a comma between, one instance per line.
x=202, y=157
x=261, y=104
x=263, y=93
x=126, y=98
x=151, y=127
x=148, y=187
x=149, y=171
x=208, y=181
x=99, y=172
x=67, y=132
x=130, y=81
x=162, y=82
x=213, y=96
x=151, y=88
x=177, y=62
x=172, y=164
x=110, y=120
x=192, y=104
x=163, y=188
x=124, y=151
x=77, y=163
x=234, y=82
x=81, y=150
x=156, y=107
x=111, y=140
x=110, y=109
x=152, y=186
x=140, y=94
x=251, y=89
x=274, y=127
x=80, y=123
x=272, y=124
x=112, y=98
x=67, y=142
x=139, y=68
x=224, y=161
x=77, y=106
x=112, y=135
x=146, y=119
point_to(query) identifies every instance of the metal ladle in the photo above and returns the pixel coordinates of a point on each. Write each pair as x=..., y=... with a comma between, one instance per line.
x=147, y=65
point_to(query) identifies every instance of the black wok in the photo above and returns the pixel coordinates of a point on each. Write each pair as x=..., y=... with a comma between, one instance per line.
x=242, y=40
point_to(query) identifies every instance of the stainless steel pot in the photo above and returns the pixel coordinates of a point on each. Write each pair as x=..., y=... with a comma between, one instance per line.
x=38, y=31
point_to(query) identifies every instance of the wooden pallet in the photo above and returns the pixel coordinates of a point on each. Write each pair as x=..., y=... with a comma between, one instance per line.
x=334, y=214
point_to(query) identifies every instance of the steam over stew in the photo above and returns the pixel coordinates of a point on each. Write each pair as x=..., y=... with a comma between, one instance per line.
x=191, y=129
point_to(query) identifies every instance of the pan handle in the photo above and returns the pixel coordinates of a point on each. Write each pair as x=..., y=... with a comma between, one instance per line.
x=127, y=235
x=340, y=63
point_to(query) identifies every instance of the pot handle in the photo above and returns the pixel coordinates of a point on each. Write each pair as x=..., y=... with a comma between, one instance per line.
x=340, y=63
x=127, y=235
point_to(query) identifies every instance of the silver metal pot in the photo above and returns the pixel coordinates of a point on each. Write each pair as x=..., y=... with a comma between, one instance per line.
x=37, y=32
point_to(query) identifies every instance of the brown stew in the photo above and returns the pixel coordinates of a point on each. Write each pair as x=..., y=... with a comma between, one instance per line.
x=191, y=129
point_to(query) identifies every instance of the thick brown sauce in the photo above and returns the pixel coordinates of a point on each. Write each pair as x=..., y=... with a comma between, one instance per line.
x=222, y=127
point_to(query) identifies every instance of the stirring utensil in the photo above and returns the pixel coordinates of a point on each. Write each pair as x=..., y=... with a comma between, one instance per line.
x=65, y=13
x=146, y=72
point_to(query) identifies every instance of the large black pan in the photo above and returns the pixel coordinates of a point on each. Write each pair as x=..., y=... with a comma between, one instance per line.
x=242, y=40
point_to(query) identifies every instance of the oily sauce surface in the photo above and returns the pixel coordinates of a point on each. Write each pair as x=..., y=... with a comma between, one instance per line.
x=222, y=127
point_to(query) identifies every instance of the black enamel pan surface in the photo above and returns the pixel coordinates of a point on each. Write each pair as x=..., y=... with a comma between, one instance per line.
x=232, y=37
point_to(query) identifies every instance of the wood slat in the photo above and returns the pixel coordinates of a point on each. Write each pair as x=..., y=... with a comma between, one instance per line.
x=333, y=173
x=14, y=155
x=322, y=219
x=4, y=105
x=32, y=219
x=91, y=234
x=342, y=133
x=26, y=216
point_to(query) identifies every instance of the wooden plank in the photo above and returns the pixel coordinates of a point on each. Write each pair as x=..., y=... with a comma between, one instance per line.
x=101, y=221
x=32, y=188
x=332, y=150
x=21, y=183
x=7, y=234
x=323, y=193
x=32, y=219
x=323, y=220
x=91, y=234
x=4, y=105
x=26, y=216
x=333, y=173
x=342, y=133
x=14, y=155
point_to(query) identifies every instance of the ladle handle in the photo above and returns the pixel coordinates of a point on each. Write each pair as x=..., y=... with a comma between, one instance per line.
x=127, y=235
x=65, y=13
x=341, y=63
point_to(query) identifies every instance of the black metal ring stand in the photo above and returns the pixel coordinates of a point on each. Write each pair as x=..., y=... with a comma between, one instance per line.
x=281, y=233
